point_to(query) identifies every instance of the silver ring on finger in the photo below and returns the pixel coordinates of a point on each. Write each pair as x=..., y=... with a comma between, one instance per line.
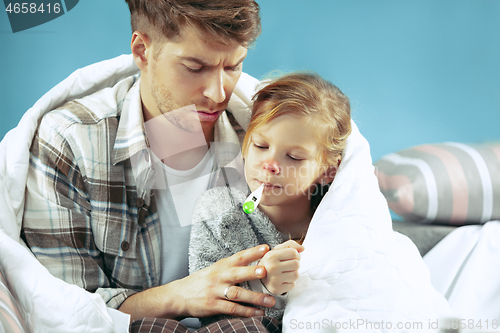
x=225, y=292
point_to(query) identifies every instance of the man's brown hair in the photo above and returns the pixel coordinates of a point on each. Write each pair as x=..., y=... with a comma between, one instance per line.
x=224, y=21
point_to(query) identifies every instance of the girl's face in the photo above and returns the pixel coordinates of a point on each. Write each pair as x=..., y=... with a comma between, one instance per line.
x=282, y=155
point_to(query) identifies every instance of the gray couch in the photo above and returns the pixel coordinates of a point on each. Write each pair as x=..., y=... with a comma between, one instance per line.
x=425, y=236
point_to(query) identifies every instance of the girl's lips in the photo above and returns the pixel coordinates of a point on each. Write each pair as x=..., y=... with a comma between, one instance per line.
x=268, y=185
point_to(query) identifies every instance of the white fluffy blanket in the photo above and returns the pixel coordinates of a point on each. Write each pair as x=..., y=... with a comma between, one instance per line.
x=356, y=272
x=464, y=268
x=355, y=268
x=49, y=304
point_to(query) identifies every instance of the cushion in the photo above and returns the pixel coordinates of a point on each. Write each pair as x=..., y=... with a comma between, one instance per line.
x=10, y=316
x=449, y=183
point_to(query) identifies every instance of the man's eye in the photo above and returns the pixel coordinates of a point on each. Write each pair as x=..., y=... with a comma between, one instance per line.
x=234, y=69
x=194, y=70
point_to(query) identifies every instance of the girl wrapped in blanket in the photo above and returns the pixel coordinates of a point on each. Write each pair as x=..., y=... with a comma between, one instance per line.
x=293, y=145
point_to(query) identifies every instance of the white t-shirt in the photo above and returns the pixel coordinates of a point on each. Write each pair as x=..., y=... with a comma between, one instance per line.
x=175, y=209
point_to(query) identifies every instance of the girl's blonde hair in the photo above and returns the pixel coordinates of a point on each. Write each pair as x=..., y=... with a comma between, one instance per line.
x=306, y=94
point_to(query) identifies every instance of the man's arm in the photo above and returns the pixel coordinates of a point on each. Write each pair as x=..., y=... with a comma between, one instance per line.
x=201, y=294
x=58, y=222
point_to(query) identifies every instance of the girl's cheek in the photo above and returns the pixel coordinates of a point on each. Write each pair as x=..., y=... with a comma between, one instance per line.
x=254, y=164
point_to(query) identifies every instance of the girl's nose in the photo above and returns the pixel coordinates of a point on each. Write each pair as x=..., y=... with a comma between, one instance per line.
x=271, y=166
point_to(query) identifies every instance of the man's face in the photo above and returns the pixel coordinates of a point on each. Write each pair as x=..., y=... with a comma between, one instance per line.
x=192, y=71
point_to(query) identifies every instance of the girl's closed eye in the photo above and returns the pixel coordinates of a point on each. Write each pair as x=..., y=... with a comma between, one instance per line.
x=259, y=146
x=295, y=159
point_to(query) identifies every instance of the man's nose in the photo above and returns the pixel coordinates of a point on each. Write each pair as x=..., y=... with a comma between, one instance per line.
x=215, y=87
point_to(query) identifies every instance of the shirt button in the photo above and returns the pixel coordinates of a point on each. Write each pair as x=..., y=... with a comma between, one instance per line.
x=140, y=202
x=125, y=245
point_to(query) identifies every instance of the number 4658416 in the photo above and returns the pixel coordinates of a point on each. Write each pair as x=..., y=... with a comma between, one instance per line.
x=27, y=8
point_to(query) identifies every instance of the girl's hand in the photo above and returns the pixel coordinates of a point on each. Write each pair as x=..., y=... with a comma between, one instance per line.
x=282, y=265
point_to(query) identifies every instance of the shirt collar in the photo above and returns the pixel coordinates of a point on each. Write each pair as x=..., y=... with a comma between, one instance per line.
x=227, y=144
x=131, y=136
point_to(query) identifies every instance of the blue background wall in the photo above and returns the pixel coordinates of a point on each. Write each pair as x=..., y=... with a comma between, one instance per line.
x=416, y=71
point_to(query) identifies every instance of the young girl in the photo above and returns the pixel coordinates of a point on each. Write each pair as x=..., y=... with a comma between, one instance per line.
x=293, y=145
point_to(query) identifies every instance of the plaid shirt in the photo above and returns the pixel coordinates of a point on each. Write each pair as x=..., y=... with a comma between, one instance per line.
x=90, y=218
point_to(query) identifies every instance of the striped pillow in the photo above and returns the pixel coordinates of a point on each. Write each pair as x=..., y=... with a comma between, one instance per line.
x=10, y=317
x=449, y=183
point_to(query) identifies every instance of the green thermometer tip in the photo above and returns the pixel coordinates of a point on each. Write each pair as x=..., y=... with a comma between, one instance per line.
x=248, y=207
x=253, y=200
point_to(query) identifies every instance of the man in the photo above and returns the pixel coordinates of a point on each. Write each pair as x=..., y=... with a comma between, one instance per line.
x=92, y=216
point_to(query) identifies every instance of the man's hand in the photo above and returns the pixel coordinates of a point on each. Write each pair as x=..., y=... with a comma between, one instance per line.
x=282, y=264
x=201, y=294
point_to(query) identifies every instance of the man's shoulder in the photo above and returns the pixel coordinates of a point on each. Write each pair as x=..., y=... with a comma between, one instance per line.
x=92, y=109
x=74, y=122
x=74, y=112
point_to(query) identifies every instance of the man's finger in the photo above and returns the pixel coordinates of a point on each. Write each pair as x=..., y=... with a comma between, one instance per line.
x=241, y=295
x=239, y=310
x=246, y=257
x=234, y=275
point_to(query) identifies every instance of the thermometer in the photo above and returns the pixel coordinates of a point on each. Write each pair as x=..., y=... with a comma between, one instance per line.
x=253, y=200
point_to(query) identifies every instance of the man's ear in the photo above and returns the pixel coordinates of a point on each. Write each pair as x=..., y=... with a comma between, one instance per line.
x=141, y=49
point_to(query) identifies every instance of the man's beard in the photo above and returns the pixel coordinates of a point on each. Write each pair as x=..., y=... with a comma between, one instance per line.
x=179, y=115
